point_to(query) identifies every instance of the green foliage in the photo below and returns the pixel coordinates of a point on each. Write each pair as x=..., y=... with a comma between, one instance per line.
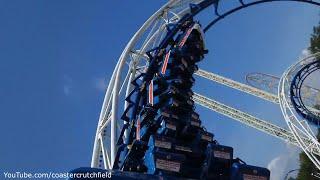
x=306, y=166
x=315, y=40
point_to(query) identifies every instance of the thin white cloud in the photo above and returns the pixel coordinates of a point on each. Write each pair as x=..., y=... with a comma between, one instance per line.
x=285, y=162
x=304, y=53
x=66, y=90
x=67, y=86
x=100, y=83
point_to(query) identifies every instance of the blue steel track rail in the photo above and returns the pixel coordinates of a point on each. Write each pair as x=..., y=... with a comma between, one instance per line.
x=296, y=96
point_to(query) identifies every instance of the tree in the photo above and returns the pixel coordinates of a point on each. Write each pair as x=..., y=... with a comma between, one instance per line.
x=307, y=168
x=315, y=40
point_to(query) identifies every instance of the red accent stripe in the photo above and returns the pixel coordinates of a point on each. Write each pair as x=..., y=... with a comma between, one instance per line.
x=185, y=37
x=151, y=92
x=165, y=63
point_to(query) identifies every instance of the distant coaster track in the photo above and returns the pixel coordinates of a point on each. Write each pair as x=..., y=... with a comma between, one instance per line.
x=154, y=36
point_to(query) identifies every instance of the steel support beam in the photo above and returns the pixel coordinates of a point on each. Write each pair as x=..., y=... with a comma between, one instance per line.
x=250, y=120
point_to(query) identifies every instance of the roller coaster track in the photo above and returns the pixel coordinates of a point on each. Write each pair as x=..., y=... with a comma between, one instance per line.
x=154, y=29
x=238, y=86
x=240, y=116
x=290, y=83
x=249, y=120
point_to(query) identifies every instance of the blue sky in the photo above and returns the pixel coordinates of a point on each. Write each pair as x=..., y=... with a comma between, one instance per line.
x=57, y=57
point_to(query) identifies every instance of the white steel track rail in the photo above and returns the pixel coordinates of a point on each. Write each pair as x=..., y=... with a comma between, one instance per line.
x=266, y=95
x=299, y=127
x=245, y=118
x=250, y=120
x=269, y=83
x=238, y=86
